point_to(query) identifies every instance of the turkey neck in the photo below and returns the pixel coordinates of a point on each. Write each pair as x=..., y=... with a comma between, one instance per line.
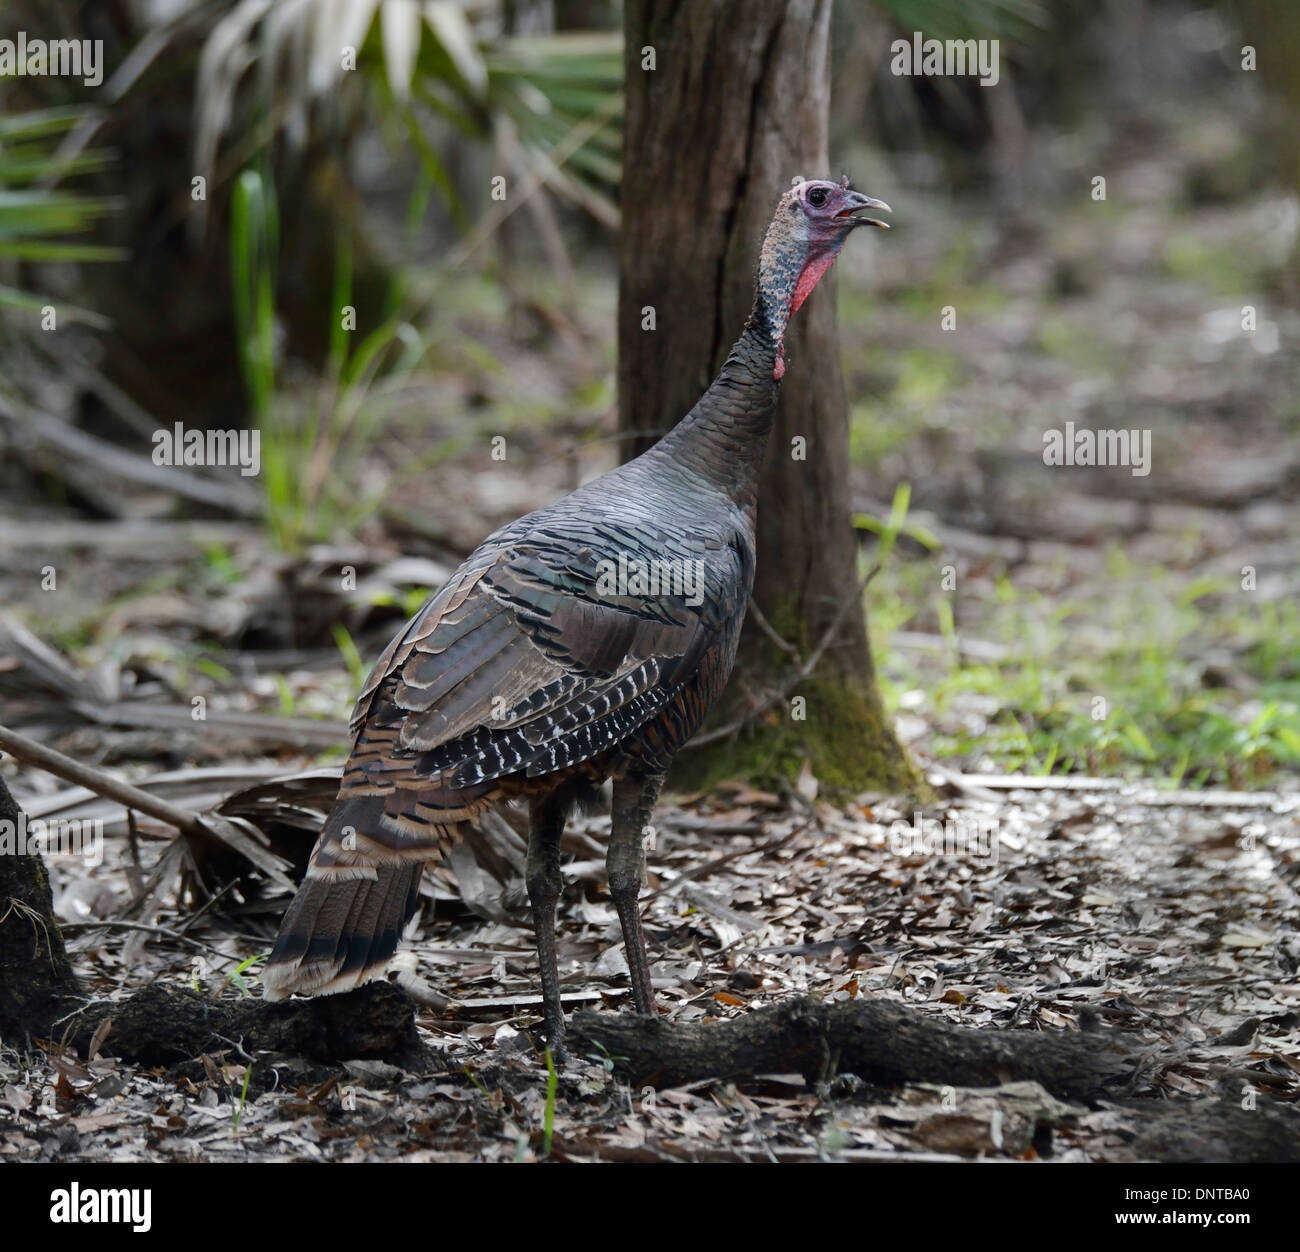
x=723, y=438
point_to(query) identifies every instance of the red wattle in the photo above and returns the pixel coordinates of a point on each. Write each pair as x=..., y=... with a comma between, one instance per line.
x=809, y=276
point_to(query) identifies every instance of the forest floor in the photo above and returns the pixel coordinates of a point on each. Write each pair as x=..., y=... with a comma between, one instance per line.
x=1143, y=874
x=1169, y=916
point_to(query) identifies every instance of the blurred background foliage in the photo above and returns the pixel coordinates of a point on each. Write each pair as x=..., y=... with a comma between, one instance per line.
x=247, y=170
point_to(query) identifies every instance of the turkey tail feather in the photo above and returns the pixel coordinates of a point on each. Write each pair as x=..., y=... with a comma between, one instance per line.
x=345, y=922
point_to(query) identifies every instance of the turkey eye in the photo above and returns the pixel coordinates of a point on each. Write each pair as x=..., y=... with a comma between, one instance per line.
x=817, y=197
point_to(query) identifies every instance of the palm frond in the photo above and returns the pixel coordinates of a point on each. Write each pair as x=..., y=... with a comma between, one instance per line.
x=37, y=222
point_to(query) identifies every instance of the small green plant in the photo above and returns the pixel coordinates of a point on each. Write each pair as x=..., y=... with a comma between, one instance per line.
x=888, y=529
x=284, y=695
x=254, y=244
x=237, y=1112
x=605, y=1058
x=351, y=657
x=311, y=443
x=214, y=670
x=552, y=1086
x=236, y=975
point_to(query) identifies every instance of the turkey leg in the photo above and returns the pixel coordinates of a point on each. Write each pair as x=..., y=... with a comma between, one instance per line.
x=545, y=826
x=634, y=802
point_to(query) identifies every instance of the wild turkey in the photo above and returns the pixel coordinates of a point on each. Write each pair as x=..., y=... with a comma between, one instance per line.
x=583, y=641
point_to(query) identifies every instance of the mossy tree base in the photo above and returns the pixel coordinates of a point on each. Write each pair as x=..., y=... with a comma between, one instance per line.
x=845, y=738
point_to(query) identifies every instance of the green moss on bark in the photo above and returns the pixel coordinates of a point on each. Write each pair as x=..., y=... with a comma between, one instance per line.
x=845, y=738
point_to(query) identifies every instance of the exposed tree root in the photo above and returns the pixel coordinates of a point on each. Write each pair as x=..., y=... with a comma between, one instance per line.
x=162, y=1025
x=887, y=1045
x=1209, y=1130
x=883, y=1044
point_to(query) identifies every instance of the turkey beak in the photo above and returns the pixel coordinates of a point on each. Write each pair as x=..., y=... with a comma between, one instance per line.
x=857, y=201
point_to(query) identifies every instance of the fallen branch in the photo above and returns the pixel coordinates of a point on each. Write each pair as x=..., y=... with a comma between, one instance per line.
x=298, y=732
x=162, y=1025
x=887, y=1045
x=230, y=831
x=882, y=1043
x=1137, y=793
x=40, y=997
x=231, y=494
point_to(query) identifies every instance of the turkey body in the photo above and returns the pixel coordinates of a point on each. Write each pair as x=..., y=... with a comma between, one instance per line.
x=582, y=642
x=582, y=634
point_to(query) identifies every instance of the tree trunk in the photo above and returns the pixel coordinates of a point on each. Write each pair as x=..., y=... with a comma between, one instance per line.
x=1270, y=27
x=736, y=105
x=36, y=979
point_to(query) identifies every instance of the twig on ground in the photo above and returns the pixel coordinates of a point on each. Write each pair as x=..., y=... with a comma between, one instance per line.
x=206, y=825
x=117, y=923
